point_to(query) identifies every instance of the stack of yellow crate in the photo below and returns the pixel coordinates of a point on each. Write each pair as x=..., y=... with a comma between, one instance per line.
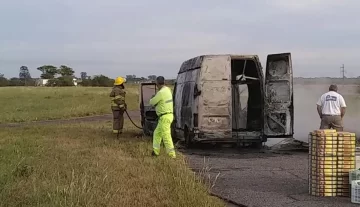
x=331, y=158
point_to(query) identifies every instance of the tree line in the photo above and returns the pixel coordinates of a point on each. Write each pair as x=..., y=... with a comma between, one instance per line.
x=64, y=76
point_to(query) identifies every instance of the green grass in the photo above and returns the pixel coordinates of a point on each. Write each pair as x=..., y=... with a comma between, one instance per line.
x=84, y=165
x=20, y=104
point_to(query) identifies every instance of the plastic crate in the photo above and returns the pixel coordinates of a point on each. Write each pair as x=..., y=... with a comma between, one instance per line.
x=331, y=158
x=354, y=175
x=355, y=191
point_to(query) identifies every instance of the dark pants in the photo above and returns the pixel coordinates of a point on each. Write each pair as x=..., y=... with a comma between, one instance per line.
x=118, y=119
x=332, y=122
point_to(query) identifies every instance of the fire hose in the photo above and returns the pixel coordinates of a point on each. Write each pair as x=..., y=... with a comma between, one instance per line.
x=131, y=122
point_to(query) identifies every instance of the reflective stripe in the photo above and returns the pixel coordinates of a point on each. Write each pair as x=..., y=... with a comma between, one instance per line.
x=115, y=105
x=156, y=146
x=172, y=154
x=118, y=97
x=156, y=152
x=169, y=101
x=170, y=150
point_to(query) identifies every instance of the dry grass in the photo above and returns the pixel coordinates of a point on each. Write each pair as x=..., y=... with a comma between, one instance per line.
x=19, y=104
x=84, y=165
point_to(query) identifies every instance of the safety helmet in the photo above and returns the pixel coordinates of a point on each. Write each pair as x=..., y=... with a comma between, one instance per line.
x=119, y=80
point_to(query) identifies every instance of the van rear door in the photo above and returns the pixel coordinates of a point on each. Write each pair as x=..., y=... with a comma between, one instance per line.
x=215, y=109
x=148, y=113
x=278, y=101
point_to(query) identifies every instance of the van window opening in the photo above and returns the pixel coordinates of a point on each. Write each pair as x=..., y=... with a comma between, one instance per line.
x=246, y=96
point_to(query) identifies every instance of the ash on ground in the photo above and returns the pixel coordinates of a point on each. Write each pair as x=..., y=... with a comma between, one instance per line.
x=290, y=144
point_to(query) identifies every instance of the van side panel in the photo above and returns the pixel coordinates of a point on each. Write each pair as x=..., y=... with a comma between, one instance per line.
x=215, y=105
x=184, y=98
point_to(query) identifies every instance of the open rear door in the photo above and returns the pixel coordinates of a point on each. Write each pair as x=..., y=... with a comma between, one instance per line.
x=215, y=104
x=148, y=113
x=278, y=106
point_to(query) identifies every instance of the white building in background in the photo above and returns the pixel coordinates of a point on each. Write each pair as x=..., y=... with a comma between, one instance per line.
x=43, y=82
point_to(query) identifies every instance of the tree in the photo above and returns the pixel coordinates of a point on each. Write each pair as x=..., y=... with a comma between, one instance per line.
x=101, y=80
x=48, y=71
x=24, y=74
x=3, y=81
x=65, y=81
x=130, y=77
x=15, y=82
x=61, y=81
x=86, y=82
x=66, y=71
x=83, y=75
x=152, y=77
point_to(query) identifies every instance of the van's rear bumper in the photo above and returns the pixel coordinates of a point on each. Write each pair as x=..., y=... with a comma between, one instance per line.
x=226, y=137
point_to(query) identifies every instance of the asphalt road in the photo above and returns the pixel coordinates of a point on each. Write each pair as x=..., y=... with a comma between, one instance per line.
x=260, y=179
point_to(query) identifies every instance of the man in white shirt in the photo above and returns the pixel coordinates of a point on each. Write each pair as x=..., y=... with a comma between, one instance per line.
x=331, y=108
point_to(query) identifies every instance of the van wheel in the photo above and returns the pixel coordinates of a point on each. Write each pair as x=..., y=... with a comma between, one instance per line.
x=257, y=145
x=188, y=138
x=145, y=130
x=147, y=133
x=173, y=133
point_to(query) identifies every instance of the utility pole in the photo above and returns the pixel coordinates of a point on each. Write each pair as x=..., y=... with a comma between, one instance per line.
x=343, y=73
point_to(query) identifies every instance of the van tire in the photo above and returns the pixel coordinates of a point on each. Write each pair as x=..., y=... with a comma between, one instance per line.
x=188, y=138
x=173, y=133
x=257, y=145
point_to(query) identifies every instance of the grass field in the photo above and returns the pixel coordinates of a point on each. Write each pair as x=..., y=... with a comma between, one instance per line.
x=19, y=104
x=23, y=104
x=84, y=165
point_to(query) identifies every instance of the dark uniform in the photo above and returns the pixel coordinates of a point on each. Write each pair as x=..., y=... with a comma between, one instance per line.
x=118, y=106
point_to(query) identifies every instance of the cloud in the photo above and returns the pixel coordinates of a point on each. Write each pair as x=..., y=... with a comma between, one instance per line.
x=310, y=5
x=142, y=37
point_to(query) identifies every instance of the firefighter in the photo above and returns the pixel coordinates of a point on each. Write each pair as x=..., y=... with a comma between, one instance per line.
x=118, y=105
x=163, y=103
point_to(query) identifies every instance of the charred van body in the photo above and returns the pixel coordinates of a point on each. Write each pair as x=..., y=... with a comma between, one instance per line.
x=227, y=98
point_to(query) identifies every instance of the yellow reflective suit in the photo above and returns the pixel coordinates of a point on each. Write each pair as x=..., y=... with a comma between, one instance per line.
x=118, y=107
x=163, y=103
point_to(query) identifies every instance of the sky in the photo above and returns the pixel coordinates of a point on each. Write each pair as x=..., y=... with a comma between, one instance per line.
x=143, y=37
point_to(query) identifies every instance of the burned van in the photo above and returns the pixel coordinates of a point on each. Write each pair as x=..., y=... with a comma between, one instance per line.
x=226, y=98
